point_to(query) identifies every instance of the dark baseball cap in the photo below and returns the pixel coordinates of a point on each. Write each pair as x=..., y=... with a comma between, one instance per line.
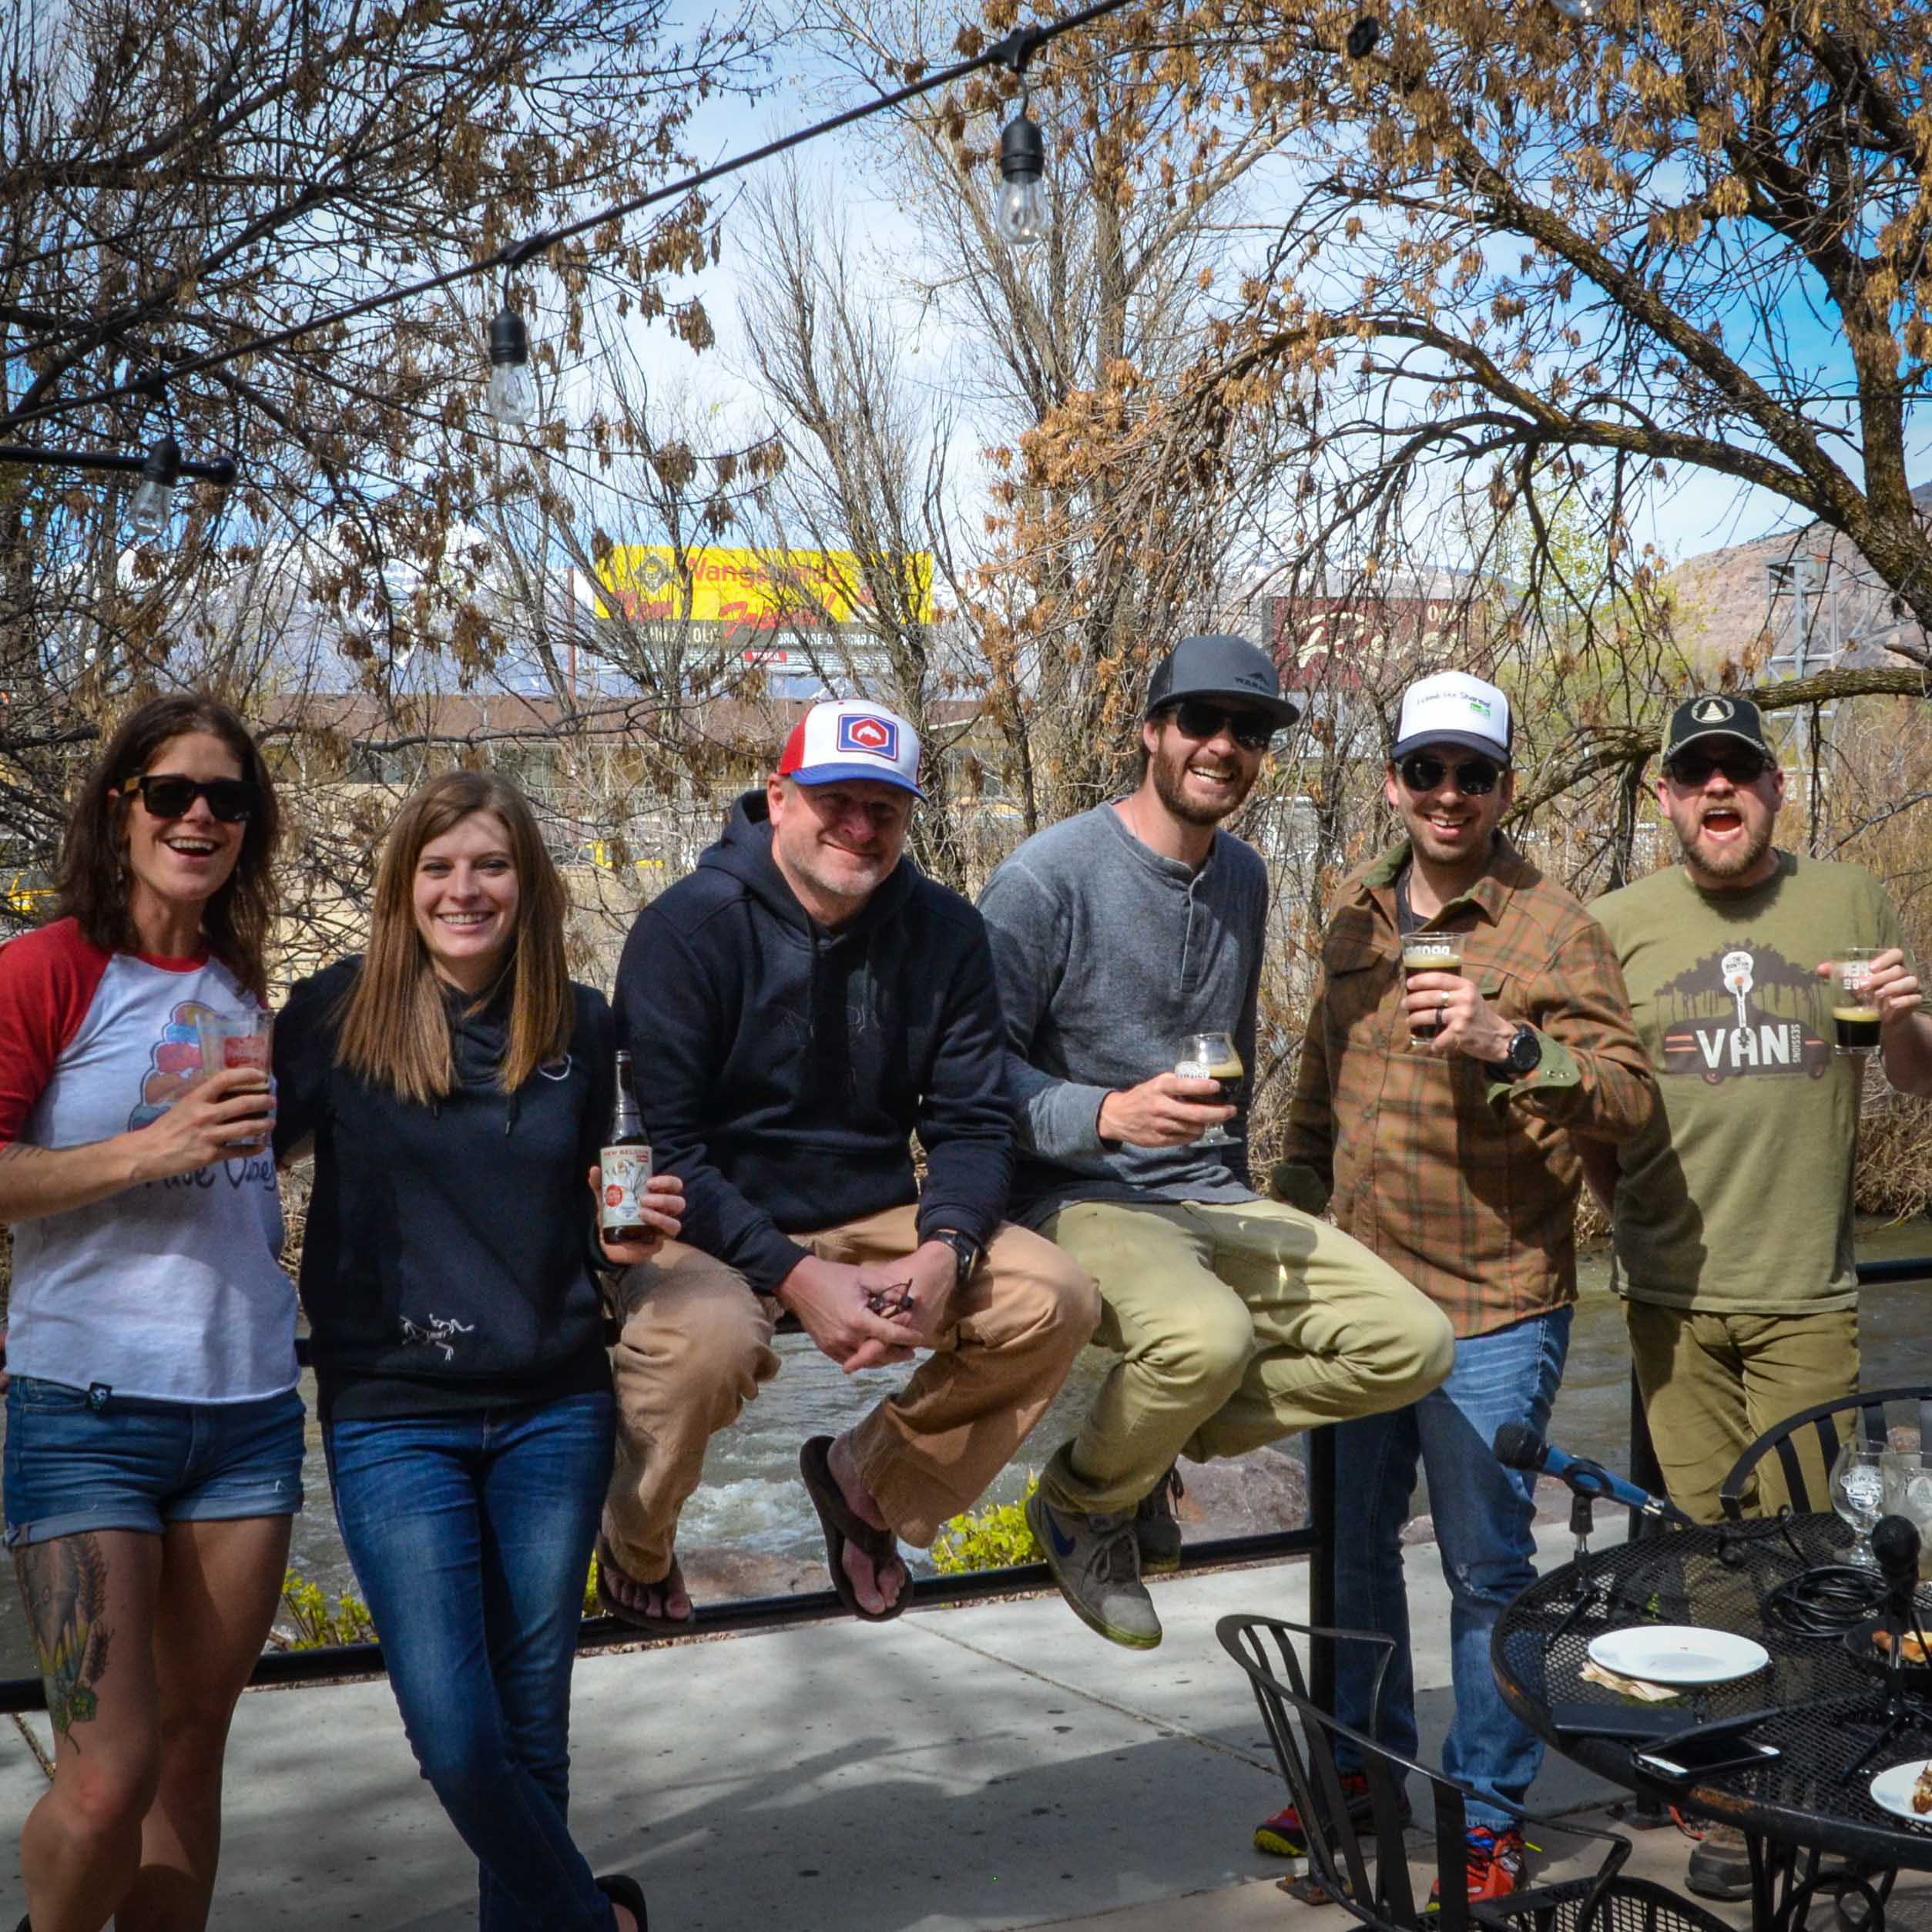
x=1228, y=668
x=1715, y=715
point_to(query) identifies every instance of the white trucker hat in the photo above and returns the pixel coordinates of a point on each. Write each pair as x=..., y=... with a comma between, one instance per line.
x=1454, y=708
x=852, y=738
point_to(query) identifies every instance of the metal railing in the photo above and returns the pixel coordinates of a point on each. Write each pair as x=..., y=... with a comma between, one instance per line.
x=340, y=1662
x=336, y=1663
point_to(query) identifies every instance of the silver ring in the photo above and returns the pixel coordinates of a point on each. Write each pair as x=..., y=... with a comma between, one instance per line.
x=1442, y=1005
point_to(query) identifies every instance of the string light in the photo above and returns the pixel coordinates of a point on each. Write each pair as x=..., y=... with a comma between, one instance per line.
x=512, y=396
x=151, y=510
x=1020, y=211
x=1012, y=51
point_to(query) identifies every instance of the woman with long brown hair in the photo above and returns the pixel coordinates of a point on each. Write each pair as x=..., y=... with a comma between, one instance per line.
x=154, y=1435
x=456, y=1085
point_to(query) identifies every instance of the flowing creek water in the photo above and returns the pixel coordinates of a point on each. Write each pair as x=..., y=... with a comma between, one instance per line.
x=753, y=1502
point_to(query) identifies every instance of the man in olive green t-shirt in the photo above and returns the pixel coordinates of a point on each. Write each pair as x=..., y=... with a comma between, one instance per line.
x=1733, y=1211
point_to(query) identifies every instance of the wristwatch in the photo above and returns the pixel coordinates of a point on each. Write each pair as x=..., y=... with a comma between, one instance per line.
x=1524, y=1052
x=967, y=1252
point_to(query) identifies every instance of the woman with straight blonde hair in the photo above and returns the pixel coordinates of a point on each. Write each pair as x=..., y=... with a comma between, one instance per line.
x=455, y=1084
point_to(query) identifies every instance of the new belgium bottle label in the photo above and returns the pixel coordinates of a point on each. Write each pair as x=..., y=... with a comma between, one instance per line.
x=626, y=1164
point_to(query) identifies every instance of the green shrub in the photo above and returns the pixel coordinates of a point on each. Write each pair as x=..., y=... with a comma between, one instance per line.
x=317, y=1627
x=996, y=1538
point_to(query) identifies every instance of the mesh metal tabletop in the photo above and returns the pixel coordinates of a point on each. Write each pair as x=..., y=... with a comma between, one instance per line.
x=1825, y=1709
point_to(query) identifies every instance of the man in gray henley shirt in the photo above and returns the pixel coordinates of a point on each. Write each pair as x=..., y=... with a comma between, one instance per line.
x=1237, y=1320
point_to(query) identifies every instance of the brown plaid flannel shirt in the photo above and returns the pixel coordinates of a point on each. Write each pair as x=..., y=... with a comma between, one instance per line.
x=1465, y=1183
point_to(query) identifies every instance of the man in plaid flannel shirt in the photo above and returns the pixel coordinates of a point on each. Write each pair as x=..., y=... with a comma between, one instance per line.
x=1433, y=1111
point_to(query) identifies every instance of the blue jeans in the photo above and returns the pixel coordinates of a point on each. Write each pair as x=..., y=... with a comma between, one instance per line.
x=470, y=1536
x=1483, y=1513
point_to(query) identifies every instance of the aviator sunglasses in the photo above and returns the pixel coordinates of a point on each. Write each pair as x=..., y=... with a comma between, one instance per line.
x=1422, y=771
x=169, y=795
x=1252, y=730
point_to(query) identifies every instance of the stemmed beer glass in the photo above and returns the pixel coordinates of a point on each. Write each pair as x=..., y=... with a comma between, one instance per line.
x=1213, y=1056
x=1858, y=1494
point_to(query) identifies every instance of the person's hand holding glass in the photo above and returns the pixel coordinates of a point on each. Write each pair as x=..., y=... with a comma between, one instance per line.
x=1213, y=1056
x=1429, y=952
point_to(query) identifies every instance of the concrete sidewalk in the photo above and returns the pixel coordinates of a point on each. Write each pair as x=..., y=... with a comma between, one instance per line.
x=990, y=1766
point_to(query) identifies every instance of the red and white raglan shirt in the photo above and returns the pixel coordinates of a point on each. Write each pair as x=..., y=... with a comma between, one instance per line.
x=169, y=1289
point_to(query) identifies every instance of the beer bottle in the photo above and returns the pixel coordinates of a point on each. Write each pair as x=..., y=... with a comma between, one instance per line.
x=626, y=1163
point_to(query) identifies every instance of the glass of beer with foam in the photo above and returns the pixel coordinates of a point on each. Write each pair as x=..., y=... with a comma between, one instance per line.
x=1429, y=952
x=1854, y=1011
x=1213, y=1056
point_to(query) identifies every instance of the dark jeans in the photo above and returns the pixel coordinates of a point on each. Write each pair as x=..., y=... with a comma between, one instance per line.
x=471, y=1537
x=1484, y=1514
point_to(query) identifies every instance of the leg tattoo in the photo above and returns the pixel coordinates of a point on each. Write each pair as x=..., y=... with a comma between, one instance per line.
x=63, y=1585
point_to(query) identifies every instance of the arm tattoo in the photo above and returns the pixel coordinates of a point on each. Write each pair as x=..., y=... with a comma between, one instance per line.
x=63, y=1585
x=19, y=1150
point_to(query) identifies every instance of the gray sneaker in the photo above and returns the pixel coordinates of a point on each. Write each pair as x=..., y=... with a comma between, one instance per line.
x=1094, y=1561
x=1157, y=1531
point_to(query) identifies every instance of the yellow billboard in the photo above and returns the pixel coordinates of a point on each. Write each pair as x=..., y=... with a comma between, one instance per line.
x=753, y=589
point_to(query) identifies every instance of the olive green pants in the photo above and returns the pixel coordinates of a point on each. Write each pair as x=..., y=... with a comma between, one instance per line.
x=1236, y=1324
x=1712, y=1384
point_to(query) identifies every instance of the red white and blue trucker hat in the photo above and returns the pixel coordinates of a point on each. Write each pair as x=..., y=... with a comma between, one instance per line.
x=852, y=738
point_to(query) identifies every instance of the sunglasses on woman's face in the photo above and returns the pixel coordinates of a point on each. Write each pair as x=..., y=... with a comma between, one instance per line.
x=1252, y=730
x=1422, y=772
x=169, y=795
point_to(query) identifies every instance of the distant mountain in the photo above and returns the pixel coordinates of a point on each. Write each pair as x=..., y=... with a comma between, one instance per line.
x=1732, y=606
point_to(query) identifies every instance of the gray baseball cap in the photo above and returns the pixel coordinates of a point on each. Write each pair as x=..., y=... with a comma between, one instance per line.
x=1228, y=668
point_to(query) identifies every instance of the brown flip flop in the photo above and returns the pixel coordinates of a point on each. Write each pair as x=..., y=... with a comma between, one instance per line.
x=613, y=1605
x=841, y=1527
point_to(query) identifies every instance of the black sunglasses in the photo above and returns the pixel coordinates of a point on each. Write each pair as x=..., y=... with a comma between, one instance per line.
x=1423, y=772
x=1692, y=769
x=1252, y=730
x=169, y=795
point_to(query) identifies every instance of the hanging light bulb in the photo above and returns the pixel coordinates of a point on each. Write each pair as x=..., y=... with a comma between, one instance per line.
x=1020, y=210
x=1585, y=13
x=153, y=504
x=512, y=395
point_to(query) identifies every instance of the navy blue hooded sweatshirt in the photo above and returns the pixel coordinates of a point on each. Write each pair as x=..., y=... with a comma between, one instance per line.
x=782, y=1068
x=450, y=1263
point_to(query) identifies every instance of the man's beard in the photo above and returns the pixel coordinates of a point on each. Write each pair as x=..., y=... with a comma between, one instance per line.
x=1169, y=778
x=1726, y=865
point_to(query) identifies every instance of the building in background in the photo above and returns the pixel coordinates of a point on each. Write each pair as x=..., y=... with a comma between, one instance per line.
x=809, y=621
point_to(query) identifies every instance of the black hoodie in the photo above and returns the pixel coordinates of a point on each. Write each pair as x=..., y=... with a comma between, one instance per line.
x=781, y=1068
x=449, y=1262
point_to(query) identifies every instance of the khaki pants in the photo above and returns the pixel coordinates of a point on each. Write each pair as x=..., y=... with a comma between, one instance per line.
x=1236, y=1325
x=1712, y=1384
x=696, y=1345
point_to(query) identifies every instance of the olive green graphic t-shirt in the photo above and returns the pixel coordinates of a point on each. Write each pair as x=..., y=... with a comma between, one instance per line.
x=1737, y=1198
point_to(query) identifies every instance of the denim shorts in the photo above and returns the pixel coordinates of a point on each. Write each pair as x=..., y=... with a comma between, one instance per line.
x=79, y=1460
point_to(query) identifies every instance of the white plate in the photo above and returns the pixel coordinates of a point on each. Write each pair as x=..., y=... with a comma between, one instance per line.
x=1677, y=1653
x=1892, y=1791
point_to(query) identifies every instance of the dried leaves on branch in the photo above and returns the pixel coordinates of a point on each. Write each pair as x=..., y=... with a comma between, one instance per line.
x=185, y=177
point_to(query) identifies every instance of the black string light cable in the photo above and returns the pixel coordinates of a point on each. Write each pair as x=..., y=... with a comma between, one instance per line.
x=1012, y=51
x=161, y=466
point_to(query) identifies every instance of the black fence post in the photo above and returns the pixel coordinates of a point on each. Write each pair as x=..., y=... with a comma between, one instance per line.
x=1321, y=1564
x=1644, y=1471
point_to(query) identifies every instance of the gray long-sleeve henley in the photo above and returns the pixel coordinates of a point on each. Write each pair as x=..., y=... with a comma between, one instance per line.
x=1107, y=956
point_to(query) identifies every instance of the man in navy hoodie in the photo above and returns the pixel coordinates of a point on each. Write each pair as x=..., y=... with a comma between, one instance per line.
x=796, y=1010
